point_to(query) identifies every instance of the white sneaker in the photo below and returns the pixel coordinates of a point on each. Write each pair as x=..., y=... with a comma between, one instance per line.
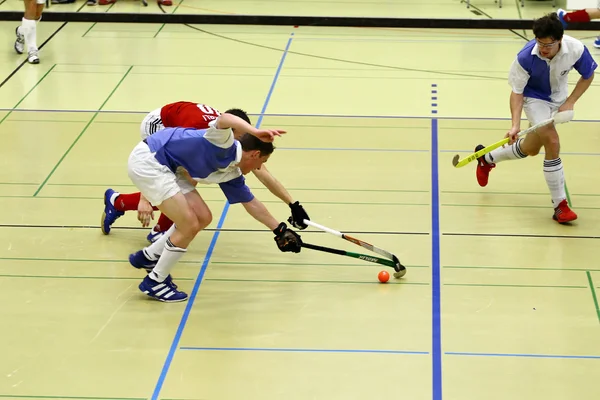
x=20, y=42
x=32, y=57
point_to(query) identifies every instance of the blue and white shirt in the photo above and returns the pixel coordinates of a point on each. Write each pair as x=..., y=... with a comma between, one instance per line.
x=540, y=78
x=209, y=155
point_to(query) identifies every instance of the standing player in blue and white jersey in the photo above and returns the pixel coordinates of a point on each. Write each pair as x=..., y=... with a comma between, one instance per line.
x=539, y=77
x=163, y=165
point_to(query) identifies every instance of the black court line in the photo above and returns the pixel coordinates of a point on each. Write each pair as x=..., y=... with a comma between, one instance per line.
x=481, y=12
x=408, y=233
x=522, y=235
x=25, y=60
x=205, y=230
x=41, y=46
x=341, y=60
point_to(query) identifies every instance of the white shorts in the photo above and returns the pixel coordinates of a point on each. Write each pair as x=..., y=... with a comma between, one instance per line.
x=156, y=182
x=40, y=1
x=538, y=110
x=151, y=124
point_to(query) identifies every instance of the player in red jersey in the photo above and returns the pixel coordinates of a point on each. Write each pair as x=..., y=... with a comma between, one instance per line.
x=185, y=114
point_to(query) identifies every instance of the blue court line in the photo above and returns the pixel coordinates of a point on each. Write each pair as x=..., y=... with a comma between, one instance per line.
x=351, y=149
x=436, y=346
x=517, y=42
x=520, y=355
x=296, y=350
x=213, y=242
x=426, y=117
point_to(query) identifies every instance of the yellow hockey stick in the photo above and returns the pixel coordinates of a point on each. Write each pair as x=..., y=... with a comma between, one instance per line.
x=559, y=118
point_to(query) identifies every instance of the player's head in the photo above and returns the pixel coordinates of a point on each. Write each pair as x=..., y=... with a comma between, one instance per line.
x=548, y=31
x=239, y=113
x=255, y=152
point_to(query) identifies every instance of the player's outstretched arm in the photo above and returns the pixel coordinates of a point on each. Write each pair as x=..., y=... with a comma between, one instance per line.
x=227, y=120
x=580, y=88
x=298, y=214
x=286, y=239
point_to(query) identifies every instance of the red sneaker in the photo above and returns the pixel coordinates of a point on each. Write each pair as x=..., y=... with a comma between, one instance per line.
x=563, y=214
x=165, y=2
x=483, y=168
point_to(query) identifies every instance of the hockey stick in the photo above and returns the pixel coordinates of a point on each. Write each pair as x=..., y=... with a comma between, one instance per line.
x=392, y=260
x=559, y=118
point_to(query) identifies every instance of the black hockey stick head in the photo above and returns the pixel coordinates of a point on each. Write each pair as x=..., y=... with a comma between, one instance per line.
x=400, y=269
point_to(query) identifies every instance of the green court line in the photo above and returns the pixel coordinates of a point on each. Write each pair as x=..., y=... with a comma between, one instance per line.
x=82, y=132
x=30, y=90
x=79, y=260
x=45, y=120
x=589, y=276
x=212, y=187
x=207, y=279
x=19, y=396
x=82, y=277
x=519, y=286
x=500, y=193
x=90, y=28
x=310, y=281
x=299, y=264
x=89, y=72
x=83, y=260
x=263, y=201
x=353, y=126
x=83, y=198
x=511, y=206
x=118, y=122
x=160, y=29
x=569, y=197
x=180, y=3
x=520, y=268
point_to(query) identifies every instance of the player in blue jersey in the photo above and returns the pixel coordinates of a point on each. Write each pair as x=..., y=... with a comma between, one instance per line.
x=539, y=77
x=165, y=167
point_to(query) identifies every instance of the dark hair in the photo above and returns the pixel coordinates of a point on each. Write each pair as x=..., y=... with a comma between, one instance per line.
x=548, y=26
x=250, y=142
x=239, y=113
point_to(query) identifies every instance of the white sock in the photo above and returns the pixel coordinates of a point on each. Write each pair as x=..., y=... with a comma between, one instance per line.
x=167, y=261
x=512, y=152
x=555, y=178
x=114, y=197
x=28, y=30
x=154, y=251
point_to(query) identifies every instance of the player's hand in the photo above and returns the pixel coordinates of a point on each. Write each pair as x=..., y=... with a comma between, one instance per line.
x=145, y=212
x=268, y=135
x=298, y=216
x=286, y=239
x=566, y=106
x=513, y=134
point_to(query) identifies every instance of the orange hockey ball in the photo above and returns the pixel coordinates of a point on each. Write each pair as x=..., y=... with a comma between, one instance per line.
x=383, y=276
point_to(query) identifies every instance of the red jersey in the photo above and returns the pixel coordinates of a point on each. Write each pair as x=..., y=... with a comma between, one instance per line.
x=186, y=114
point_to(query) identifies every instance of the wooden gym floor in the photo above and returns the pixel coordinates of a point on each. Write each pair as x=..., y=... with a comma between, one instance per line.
x=499, y=301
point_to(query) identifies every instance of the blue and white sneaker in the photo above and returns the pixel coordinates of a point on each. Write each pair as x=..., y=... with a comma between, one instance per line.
x=153, y=236
x=561, y=16
x=110, y=214
x=140, y=261
x=597, y=42
x=164, y=291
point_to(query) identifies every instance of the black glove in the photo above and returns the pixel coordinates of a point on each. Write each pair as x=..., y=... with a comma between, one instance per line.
x=298, y=216
x=286, y=239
